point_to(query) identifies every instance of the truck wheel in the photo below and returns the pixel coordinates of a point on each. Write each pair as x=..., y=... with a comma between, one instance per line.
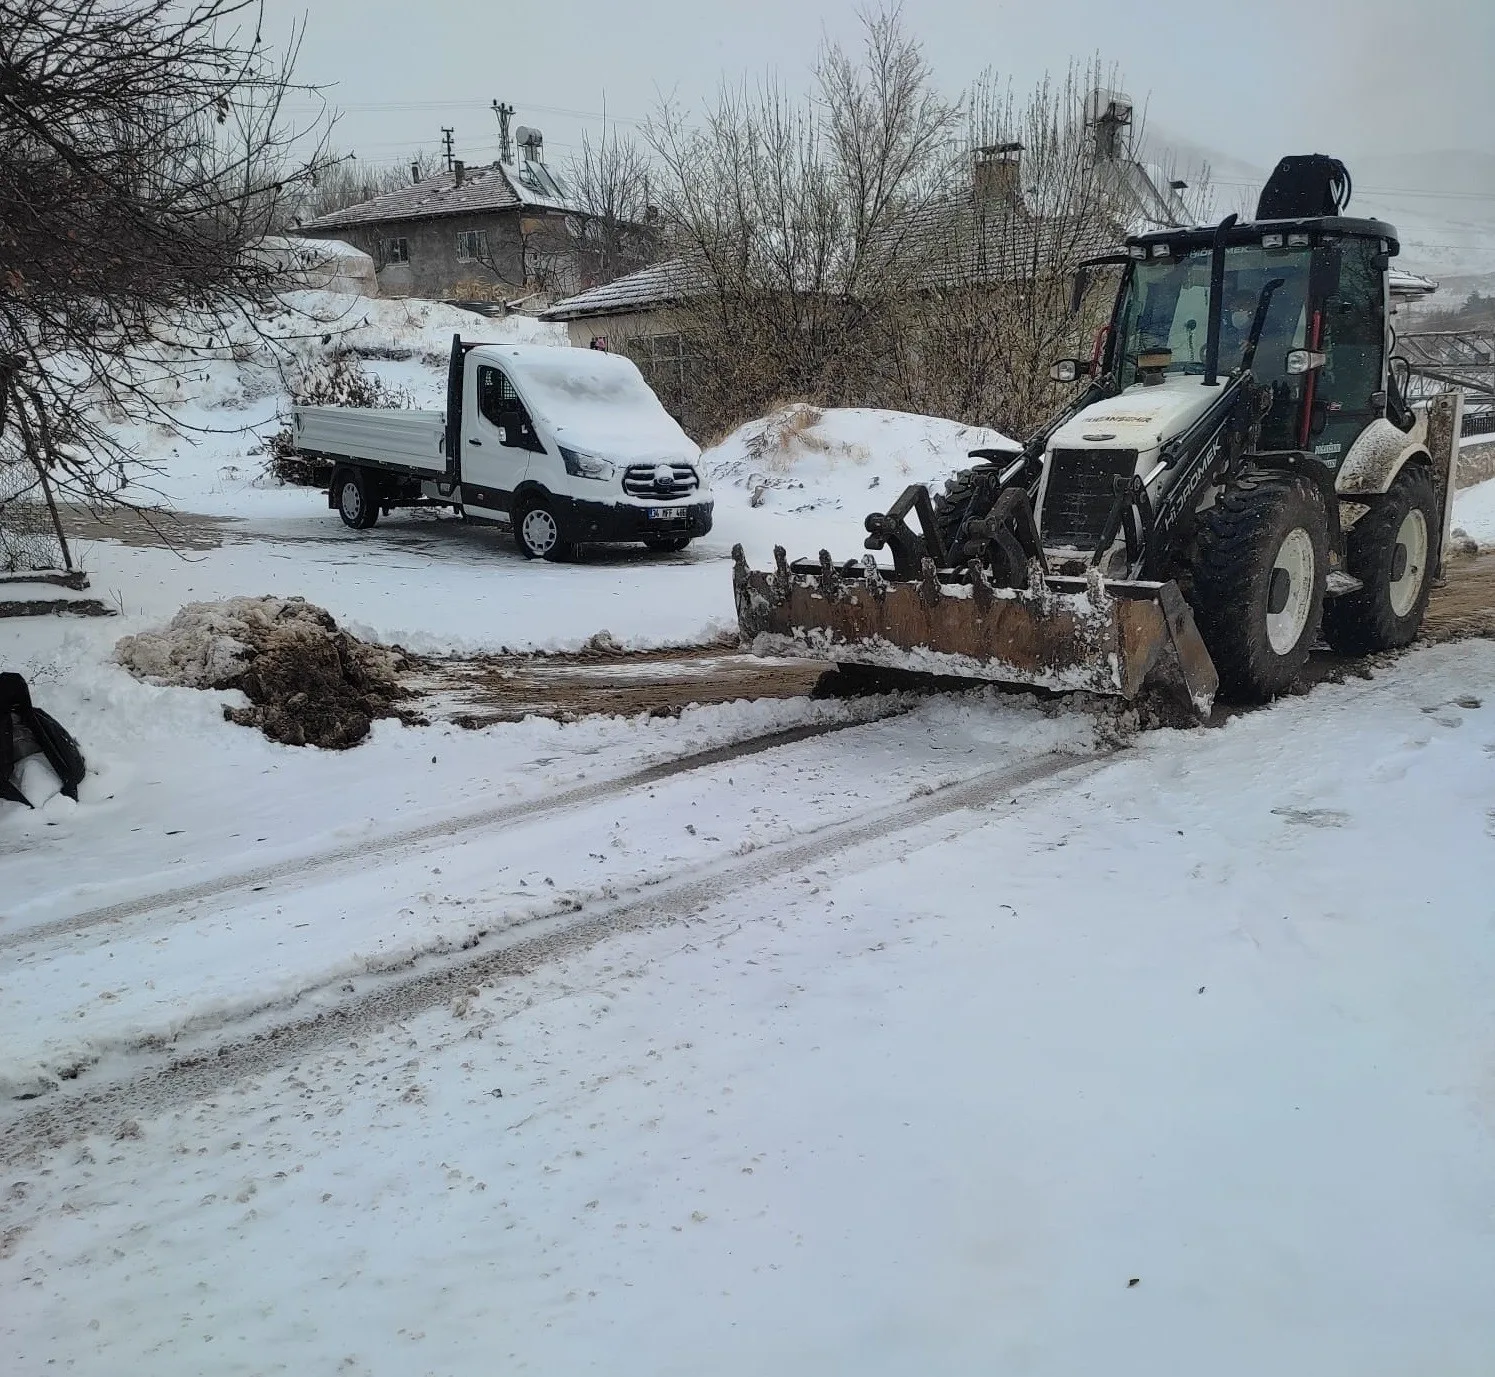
x=667, y=545
x=1392, y=549
x=537, y=532
x=357, y=503
x=1259, y=569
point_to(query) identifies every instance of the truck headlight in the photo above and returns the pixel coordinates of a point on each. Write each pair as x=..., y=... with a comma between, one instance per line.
x=579, y=464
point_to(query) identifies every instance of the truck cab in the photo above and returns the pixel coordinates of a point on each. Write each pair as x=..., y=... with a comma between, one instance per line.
x=571, y=447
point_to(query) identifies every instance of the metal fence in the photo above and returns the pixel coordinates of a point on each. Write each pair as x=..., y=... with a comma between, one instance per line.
x=31, y=537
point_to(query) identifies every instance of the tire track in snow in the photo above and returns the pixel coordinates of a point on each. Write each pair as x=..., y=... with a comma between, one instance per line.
x=428, y=981
x=398, y=846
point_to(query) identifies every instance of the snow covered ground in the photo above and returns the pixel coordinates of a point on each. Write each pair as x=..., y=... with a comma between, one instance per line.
x=1182, y=1062
x=1474, y=512
x=968, y=1035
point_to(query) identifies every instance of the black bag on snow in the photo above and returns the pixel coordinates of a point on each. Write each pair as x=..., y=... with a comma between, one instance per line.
x=22, y=724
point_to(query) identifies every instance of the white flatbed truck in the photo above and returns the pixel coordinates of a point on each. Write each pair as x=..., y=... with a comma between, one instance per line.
x=563, y=446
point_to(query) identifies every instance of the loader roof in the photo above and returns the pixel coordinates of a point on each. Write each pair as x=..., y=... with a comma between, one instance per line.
x=1251, y=231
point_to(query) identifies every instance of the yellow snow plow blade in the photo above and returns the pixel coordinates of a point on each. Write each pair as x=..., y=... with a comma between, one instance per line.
x=1060, y=633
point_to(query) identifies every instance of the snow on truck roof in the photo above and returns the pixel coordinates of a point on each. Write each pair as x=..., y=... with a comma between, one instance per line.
x=579, y=362
x=585, y=388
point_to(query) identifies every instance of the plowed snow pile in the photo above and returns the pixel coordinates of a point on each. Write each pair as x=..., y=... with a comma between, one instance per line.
x=803, y=458
x=308, y=682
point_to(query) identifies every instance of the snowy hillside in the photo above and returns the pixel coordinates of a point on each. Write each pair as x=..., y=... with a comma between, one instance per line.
x=1442, y=203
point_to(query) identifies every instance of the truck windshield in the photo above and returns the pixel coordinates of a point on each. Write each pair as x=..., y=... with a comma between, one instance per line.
x=1164, y=318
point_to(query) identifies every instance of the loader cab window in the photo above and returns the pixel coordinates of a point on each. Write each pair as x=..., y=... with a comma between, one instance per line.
x=1165, y=312
x=1353, y=342
x=500, y=404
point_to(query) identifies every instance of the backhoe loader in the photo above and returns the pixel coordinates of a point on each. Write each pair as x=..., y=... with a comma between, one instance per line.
x=1238, y=475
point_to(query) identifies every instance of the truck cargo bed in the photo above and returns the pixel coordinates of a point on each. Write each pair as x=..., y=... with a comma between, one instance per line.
x=410, y=441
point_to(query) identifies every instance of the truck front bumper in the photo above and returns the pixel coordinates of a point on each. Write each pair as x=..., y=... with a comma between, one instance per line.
x=607, y=523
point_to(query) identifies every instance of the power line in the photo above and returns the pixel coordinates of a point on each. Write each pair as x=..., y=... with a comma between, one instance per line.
x=408, y=106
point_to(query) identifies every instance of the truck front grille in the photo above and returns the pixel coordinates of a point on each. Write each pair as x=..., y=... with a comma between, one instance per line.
x=648, y=480
x=1080, y=493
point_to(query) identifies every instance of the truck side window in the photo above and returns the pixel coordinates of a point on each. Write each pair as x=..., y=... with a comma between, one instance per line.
x=499, y=403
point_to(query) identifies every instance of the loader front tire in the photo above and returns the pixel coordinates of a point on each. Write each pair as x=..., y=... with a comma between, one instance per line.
x=1259, y=569
x=966, y=497
x=1392, y=550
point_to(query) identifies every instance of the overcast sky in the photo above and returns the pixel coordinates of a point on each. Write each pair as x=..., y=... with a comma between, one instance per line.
x=1253, y=80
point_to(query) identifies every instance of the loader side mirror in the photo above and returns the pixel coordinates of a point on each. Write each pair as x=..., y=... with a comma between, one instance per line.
x=1070, y=370
x=1304, y=361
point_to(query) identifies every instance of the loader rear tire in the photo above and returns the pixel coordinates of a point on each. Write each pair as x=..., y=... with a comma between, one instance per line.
x=1259, y=569
x=1392, y=550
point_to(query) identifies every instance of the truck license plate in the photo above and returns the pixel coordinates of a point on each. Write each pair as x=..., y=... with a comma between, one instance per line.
x=666, y=513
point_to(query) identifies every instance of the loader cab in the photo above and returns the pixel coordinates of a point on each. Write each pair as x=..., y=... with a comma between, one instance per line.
x=1319, y=286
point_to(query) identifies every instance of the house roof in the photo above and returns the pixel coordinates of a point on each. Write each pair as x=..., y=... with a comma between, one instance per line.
x=657, y=285
x=959, y=242
x=954, y=242
x=499, y=186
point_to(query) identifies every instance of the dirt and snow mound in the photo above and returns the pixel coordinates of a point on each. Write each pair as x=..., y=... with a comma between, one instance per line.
x=803, y=458
x=308, y=682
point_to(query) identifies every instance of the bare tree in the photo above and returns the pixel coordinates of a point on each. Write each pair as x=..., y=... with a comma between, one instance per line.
x=609, y=184
x=143, y=155
x=879, y=245
x=788, y=215
x=1045, y=187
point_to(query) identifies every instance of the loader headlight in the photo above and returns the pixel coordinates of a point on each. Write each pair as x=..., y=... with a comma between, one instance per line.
x=580, y=464
x=1070, y=370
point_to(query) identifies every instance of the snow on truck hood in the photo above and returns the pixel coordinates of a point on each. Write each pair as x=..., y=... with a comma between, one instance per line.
x=598, y=403
x=1141, y=418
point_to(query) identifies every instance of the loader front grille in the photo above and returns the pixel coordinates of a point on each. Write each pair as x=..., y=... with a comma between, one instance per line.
x=1080, y=493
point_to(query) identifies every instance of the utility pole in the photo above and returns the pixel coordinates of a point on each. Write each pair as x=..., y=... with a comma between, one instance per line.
x=446, y=143
x=504, y=113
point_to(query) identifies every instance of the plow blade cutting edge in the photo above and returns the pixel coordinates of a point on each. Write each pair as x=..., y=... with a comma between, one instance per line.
x=1060, y=633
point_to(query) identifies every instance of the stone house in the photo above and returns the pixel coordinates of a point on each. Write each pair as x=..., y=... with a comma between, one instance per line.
x=488, y=233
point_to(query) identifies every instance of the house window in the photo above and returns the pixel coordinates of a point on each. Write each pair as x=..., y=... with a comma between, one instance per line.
x=472, y=246
x=393, y=251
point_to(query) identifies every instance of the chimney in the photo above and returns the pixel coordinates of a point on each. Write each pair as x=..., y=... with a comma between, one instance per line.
x=415, y=172
x=996, y=174
x=1108, y=114
x=460, y=168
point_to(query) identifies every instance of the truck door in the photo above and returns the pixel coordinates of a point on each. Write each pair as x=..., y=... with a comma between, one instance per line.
x=498, y=439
